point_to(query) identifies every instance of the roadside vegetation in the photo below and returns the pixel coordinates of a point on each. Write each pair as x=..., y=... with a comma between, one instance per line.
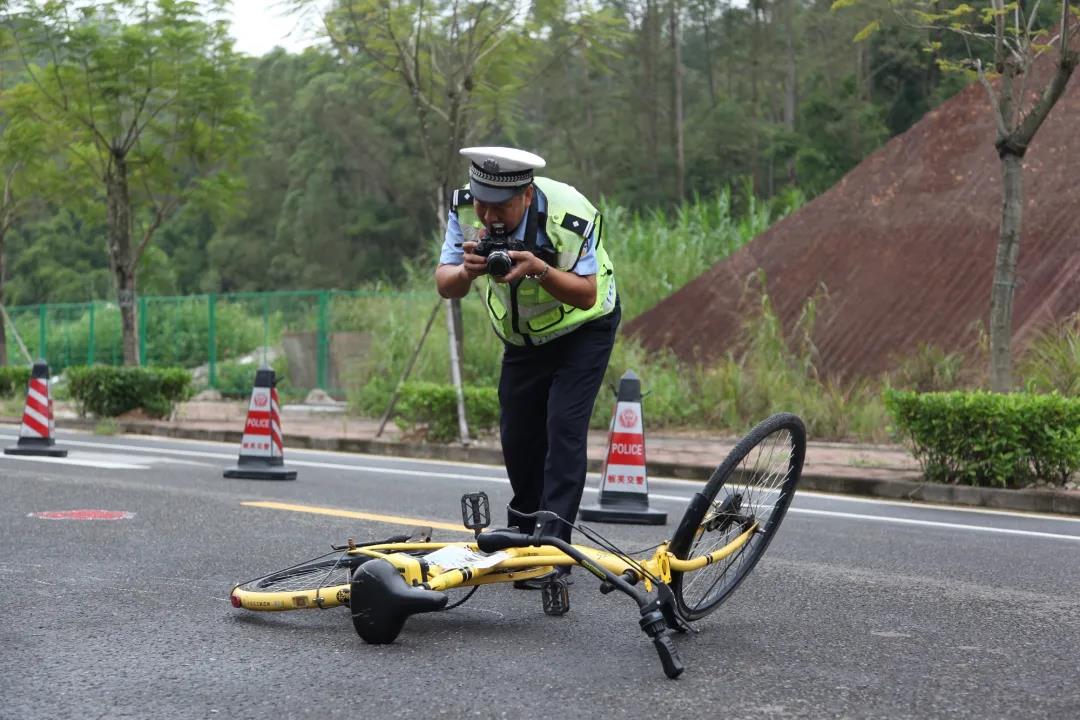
x=766, y=369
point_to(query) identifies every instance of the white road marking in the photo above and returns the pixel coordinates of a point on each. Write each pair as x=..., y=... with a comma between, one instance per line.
x=657, y=496
x=82, y=459
x=933, y=523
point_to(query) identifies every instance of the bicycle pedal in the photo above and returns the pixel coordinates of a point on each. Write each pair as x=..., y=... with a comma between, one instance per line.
x=475, y=511
x=556, y=596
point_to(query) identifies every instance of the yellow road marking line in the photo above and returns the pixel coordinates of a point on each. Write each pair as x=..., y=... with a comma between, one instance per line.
x=388, y=519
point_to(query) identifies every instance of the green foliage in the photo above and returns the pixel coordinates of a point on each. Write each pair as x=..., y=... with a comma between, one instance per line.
x=235, y=379
x=176, y=331
x=656, y=253
x=147, y=109
x=1051, y=362
x=432, y=408
x=107, y=391
x=13, y=381
x=332, y=199
x=839, y=128
x=929, y=369
x=57, y=258
x=106, y=426
x=990, y=439
x=338, y=189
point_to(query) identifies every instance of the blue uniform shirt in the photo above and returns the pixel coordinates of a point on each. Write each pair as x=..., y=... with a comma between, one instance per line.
x=451, y=255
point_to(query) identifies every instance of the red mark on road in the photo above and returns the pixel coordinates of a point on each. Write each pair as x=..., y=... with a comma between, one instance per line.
x=83, y=515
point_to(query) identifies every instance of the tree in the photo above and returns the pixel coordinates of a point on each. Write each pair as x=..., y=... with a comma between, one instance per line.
x=155, y=103
x=24, y=167
x=1004, y=41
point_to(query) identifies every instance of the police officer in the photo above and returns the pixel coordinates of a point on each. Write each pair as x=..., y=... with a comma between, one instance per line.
x=556, y=310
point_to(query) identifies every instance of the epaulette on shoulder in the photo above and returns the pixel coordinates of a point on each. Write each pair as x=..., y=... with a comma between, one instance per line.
x=460, y=197
x=576, y=225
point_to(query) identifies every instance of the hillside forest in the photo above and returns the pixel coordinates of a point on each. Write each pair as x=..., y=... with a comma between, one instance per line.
x=335, y=160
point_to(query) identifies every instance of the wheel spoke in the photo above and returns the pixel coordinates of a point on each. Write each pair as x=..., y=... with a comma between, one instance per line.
x=754, y=487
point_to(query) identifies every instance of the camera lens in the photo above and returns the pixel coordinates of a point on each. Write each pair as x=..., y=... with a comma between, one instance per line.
x=499, y=263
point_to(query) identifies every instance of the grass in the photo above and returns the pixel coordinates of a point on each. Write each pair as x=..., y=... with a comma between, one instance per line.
x=106, y=426
x=1052, y=359
x=12, y=407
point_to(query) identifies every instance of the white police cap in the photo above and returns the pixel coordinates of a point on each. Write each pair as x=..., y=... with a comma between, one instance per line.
x=496, y=174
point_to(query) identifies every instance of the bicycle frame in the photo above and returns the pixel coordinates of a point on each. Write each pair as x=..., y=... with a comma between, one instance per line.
x=517, y=563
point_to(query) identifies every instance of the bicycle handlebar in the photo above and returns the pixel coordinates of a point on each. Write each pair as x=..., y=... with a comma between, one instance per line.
x=495, y=540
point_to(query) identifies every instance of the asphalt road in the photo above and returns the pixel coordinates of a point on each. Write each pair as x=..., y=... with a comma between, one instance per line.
x=860, y=609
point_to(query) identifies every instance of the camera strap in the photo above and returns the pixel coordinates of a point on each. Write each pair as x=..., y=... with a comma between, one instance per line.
x=532, y=226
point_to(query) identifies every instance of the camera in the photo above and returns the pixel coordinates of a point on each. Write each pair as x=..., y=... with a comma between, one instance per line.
x=496, y=249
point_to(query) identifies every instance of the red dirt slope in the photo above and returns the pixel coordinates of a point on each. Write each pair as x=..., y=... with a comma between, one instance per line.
x=905, y=245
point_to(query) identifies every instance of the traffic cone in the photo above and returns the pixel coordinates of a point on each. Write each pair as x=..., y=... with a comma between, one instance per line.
x=262, y=452
x=624, y=484
x=38, y=427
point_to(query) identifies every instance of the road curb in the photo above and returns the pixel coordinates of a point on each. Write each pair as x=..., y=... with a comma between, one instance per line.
x=1036, y=500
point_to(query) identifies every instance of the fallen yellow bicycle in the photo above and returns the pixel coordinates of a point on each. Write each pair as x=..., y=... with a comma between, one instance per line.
x=723, y=533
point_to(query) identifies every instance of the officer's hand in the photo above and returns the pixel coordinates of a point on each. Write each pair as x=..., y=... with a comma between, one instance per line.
x=525, y=263
x=474, y=265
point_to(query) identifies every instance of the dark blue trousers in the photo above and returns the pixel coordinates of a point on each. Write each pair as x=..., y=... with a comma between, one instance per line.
x=546, y=395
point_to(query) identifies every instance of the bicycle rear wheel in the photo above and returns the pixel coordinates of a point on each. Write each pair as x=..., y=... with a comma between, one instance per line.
x=313, y=584
x=753, y=486
x=319, y=583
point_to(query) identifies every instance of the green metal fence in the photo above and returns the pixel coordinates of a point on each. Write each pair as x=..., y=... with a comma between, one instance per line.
x=312, y=334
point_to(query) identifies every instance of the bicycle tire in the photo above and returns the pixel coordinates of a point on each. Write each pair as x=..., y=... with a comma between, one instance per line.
x=317, y=583
x=741, y=483
x=322, y=583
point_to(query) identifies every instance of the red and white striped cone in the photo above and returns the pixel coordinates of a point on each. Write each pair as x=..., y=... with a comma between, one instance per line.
x=624, y=484
x=262, y=451
x=38, y=426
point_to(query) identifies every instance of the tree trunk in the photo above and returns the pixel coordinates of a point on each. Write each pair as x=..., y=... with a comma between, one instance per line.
x=791, y=81
x=708, y=53
x=677, y=102
x=121, y=253
x=3, y=329
x=1003, y=290
x=1016, y=130
x=650, y=31
x=755, y=165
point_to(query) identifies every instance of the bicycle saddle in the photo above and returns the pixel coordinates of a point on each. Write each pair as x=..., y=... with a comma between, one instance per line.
x=381, y=601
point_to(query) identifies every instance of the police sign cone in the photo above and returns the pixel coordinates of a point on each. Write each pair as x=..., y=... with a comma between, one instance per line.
x=262, y=452
x=624, y=484
x=38, y=427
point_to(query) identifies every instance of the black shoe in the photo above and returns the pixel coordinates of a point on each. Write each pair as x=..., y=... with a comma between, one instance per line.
x=537, y=583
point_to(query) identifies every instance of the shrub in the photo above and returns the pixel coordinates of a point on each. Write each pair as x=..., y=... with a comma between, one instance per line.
x=235, y=379
x=435, y=406
x=981, y=438
x=13, y=381
x=108, y=391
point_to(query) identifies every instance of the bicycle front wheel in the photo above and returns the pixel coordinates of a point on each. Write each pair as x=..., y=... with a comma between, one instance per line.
x=752, y=488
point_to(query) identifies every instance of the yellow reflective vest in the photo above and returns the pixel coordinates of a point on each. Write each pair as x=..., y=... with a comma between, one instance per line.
x=523, y=313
